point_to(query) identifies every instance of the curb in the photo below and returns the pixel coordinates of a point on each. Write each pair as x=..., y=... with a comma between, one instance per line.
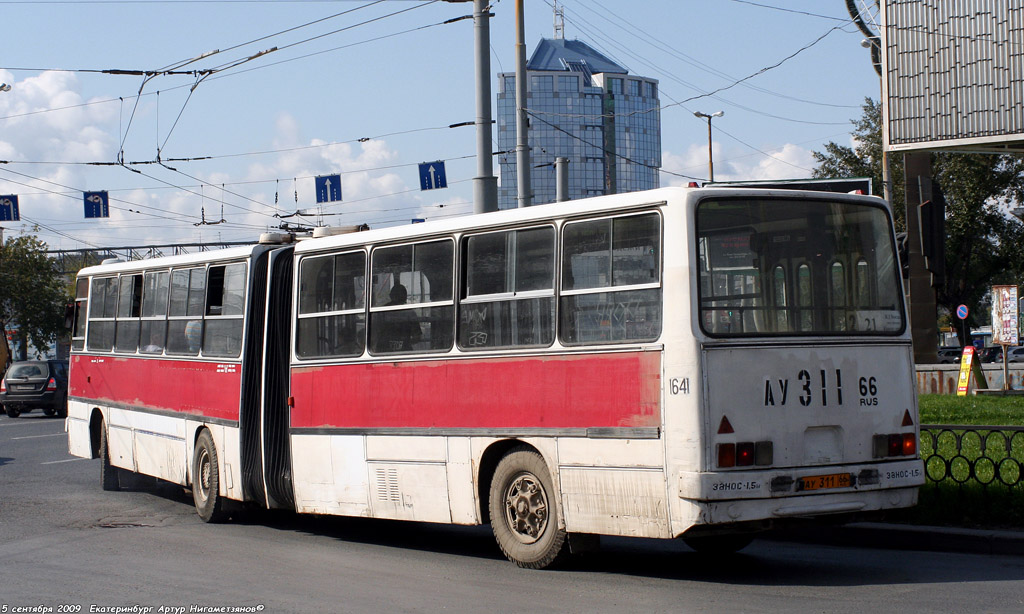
x=910, y=537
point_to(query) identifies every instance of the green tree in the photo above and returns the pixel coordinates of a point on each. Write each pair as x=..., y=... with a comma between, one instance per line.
x=32, y=294
x=984, y=243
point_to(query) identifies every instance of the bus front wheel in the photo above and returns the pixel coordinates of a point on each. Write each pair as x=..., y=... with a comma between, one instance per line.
x=524, y=514
x=206, y=480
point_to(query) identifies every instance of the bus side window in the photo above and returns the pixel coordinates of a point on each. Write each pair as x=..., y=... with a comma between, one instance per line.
x=153, y=327
x=509, y=296
x=225, y=310
x=81, y=304
x=332, y=306
x=412, y=306
x=184, y=317
x=611, y=280
x=129, y=308
x=102, y=309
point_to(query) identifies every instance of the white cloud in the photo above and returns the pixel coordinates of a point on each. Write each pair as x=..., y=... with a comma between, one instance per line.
x=74, y=133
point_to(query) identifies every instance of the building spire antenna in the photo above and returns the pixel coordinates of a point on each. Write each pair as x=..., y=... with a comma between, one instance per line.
x=559, y=21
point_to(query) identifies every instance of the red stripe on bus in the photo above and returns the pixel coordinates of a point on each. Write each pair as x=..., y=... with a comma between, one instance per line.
x=187, y=386
x=576, y=391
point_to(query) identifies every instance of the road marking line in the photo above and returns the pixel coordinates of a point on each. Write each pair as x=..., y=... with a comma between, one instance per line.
x=69, y=460
x=38, y=436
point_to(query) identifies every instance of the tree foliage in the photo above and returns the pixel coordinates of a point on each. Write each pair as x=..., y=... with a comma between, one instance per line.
x=32, y=292
x=984, y=243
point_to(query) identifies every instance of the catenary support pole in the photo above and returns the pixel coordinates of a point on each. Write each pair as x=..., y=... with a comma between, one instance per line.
x=485, y=184
x=561, y=179
x=522, y=123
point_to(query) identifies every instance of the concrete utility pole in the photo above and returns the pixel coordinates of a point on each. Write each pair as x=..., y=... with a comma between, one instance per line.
x=522, y=128
x=561, y=179
x=485, y=184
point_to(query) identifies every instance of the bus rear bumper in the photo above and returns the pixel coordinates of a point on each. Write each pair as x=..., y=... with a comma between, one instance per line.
x=806, y=483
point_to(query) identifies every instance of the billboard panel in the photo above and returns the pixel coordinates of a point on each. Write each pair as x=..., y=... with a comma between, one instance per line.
x=953, y=75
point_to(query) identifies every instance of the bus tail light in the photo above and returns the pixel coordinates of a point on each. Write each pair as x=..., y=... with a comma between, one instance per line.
x=726, y=455
x=745, y=454
x=909, y=444
x=894, y=444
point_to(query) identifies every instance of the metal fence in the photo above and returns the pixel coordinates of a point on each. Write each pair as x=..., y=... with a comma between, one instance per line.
x=985, y=455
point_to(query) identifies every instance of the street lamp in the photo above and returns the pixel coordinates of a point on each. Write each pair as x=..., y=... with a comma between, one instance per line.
x=711, y=164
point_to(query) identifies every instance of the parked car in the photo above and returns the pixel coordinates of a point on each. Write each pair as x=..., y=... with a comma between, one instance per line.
x=1015, y=354
x=949, y=355
x=32, y=384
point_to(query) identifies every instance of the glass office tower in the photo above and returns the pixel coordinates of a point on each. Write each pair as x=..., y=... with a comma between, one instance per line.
x=588, y=109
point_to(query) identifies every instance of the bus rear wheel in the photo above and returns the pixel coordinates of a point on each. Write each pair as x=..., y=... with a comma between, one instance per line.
x=206, y=480
x=524, y=514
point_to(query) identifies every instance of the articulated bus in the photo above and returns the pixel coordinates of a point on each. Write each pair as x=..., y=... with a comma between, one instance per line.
x=695, y=363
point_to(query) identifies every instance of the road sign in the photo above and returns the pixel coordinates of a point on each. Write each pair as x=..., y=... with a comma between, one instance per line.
x=96, y=204
x=328, y=188
x=9, y=208
x=432, y=175
x=961, y=312
x=1004, y=315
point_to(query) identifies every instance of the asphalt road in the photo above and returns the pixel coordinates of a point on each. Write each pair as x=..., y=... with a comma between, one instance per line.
x=65, y=542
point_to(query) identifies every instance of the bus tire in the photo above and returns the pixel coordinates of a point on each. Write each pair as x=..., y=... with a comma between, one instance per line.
x=719, y=544
x=524, y=513
x=206, y=480
x=110, y=478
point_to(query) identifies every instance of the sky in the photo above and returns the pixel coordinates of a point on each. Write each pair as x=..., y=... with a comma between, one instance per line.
x=368, y=90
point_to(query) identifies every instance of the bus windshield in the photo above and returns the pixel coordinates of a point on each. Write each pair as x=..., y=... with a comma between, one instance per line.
x=789, y=267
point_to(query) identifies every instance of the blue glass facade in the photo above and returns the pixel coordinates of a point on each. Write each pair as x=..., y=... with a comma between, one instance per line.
x=607, y=124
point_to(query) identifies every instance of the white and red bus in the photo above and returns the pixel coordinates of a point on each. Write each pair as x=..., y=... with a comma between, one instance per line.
x=695, y=363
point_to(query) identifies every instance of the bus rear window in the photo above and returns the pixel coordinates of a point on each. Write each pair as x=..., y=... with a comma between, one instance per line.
x=785, y=267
